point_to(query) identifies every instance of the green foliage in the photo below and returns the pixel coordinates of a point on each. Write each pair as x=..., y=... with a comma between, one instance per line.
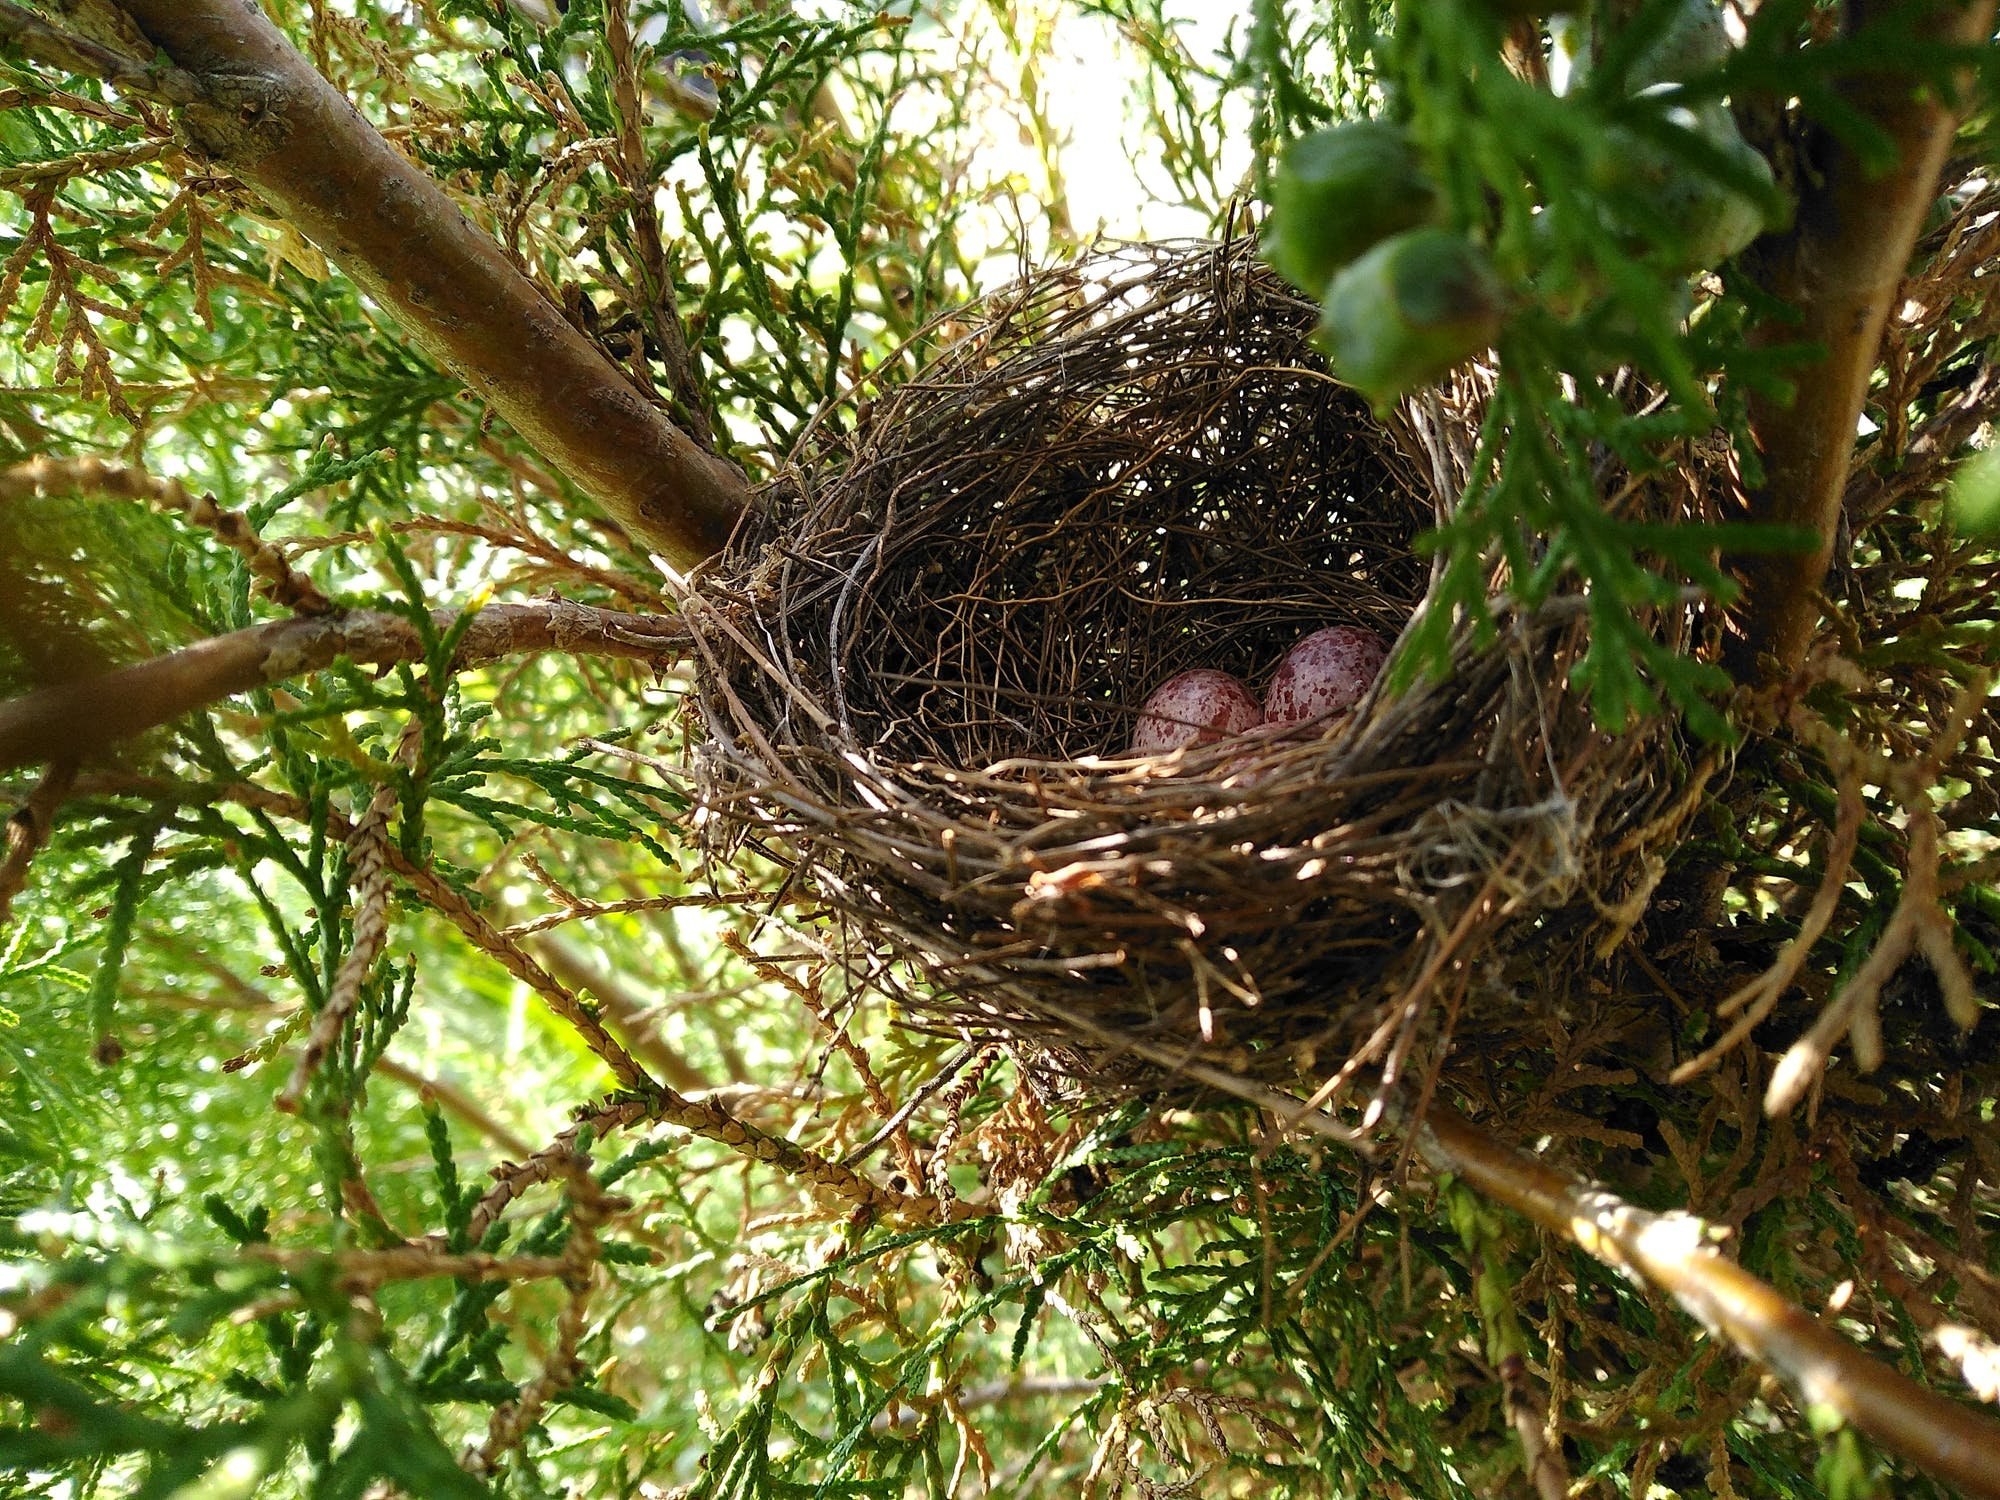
x=1338, y=192
x=206, y=1295
x=1595, y=204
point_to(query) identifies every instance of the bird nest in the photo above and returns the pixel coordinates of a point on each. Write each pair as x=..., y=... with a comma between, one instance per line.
x=924, y=660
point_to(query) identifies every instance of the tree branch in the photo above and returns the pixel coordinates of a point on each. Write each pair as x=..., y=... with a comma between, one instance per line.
x=1839, y=268
x=275, y=122
x=75, y=720
x=23, y=834
x=1674, y=1253
x=630, y=1016
x=53, y=47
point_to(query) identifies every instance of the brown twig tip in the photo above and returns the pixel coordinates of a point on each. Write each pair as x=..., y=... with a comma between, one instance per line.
x=41, y=477
x=28, y=829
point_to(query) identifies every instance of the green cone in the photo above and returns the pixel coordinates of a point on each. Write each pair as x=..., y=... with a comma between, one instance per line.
x=1339, y=191
x=1409, y=310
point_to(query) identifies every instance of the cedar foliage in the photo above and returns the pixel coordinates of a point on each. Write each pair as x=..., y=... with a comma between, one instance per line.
x=317, y=1171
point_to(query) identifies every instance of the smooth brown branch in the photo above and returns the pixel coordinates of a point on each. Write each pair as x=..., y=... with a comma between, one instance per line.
x=633, y=1019
x=79, y=719
x=40, y=477
x=559, y=998
x=455, y=1101
x=273, y=121
x=28, y=829
x=1676, y=1253
x=363, y=1270
x=1543, y=1463
x=1839, y=268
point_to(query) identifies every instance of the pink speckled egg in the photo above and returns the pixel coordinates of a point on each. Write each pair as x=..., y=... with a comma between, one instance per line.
x=1194, y=708
x=1327, y=672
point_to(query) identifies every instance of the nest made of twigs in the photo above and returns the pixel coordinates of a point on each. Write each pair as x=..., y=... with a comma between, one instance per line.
x=925, y=658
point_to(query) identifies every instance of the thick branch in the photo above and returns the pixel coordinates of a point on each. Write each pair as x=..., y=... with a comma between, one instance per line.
x=75, y=720
x=275, y=122
x=1839, y=267
x=1673, y=1252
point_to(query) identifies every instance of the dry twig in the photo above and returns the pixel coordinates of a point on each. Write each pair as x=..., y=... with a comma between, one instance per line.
x=28, y=829
x=80, y=719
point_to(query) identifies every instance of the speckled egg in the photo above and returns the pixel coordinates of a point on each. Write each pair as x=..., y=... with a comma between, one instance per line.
x=1328, y=672
x=1194, y=708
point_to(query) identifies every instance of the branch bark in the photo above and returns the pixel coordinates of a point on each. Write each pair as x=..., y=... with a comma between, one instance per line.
x=267, y=115
x=1674, y=1253
x=1839, y=267
x=76, y=720
x=40, y=42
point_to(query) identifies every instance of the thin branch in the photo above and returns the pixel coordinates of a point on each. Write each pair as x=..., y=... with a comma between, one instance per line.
x=78, y=719
x=1839, y=268
x=1544, y=1464
x=710, y=1118
x=1918, y=923
x=40, y=42
x=368, y=854
x=364, y=1270
x=271, y=119
x=455, y=1101
x=1760, y=996
x=632, y=1018
x=28, y=829
x=430, y=888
